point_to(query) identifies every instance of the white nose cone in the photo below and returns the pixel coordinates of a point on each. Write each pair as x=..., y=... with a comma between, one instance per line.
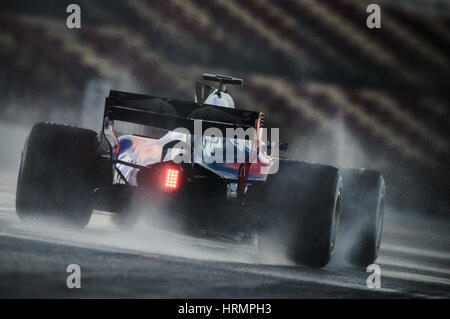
x=220, y=99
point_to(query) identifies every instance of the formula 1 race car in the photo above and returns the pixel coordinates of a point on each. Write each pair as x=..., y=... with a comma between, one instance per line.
x=169, y=154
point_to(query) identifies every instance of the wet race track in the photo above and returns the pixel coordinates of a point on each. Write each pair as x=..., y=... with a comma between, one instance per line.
x=149, y=263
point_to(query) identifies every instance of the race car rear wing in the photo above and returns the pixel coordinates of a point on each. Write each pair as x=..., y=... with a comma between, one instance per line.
x=171, y=114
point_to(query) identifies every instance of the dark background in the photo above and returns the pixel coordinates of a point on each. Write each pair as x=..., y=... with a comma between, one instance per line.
x=340, y=93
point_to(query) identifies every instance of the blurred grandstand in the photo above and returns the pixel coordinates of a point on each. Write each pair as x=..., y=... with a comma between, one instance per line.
x=349, y=95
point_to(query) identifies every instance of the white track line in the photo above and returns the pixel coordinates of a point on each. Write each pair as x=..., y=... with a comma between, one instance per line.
x=415, y=251
x=413, y=233
x=320, y=279
x=398, y=262
x=414, y=277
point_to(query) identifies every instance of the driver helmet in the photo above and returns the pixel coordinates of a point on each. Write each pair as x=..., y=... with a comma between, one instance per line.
x=220, y=98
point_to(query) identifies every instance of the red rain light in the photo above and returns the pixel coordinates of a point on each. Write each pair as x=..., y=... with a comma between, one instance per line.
x=171, y=178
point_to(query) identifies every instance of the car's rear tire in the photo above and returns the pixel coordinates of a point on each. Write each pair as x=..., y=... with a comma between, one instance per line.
x=301, y=211
x=57, y=175
x=362, y=216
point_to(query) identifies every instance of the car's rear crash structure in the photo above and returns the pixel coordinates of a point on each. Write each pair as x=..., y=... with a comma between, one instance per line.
x=66, y=172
